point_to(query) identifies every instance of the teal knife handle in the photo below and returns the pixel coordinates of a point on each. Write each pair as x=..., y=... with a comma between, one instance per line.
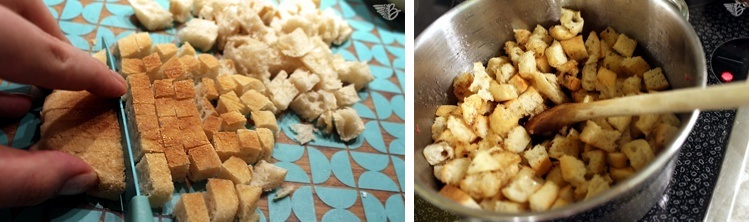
x=140, y=210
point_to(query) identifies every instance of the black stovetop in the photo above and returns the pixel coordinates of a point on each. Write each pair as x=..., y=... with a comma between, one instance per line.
x=689, y=192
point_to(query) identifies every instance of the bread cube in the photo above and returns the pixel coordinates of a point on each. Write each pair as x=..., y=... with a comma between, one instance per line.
x=144, y=109
x=596, y=185
x=624, y=45
x=236, y=170
x=575, y=48
x=192, y=67
x=227, y=144
x=522, y=187
x=185, y=108
x=309, y=105
x=281, y=91
x=662, y=134
x=634, y=66
x=562, y=145
x=248, y=196
x=655, y=79
x=606, y=82
x=646, y=123
x=185, y=49
x=573, y=170
x=486, y=184
x=221, y=200
x=205, y=108
x=609, y=36
x=173, y=69
x=597, y=162
x=155, y=179
x=461, y=85
x=620, y=174
x=250, y=145
x=555, y=175
x=267, y=176
x=594, y=135
x=502, y=92
x=209, y=65
x=528, y=103
x=543, y=198
x=207, y=89
x=346, y=96
x=639, y=153
x=132, y=66
x=165, y=107
x=200, y=33
x=212, y=125
x=620, y=123
x=267, y=140
x=165, y=51
x=128, y=47
x=245, y=83
x=229, y=102
x=458, y=195
x=191, y=207
x=204, y=163
x=148, y=141
x=184, y=89
x=538, y=159
x=256, y=101
x=163, y=88
x=304, y=80
x=617, y=160
x=141, y=96
x=519, y=83
x=151, y=15
x=178, y=162
x=180, y=9
x=502, y=121
x=225, y=84
x=266, y=119
x=152, y=64
x=233, y=121
x=194, y=136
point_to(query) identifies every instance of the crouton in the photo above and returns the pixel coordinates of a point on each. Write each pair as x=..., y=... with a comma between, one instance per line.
x=562, y=145
x=151, y=15
x=596, y=186
x=620, y=174
x=593, y=47
x=186, y=108
x=245, y=83
x=132, y=66
x=221, y=200
x=456, y=194
x=185, y=50
x=461, y=85
x=459, y=128
x=517, y=139
x=589, y=77
x=233, y=121
x=596, y=162
x=173, y=69
x=620, y=123
x=486, y=184
x=453, y=171
x=192, y=67
x=141, y=96
x=624, y=45
x=251, y=148
x=163, y=88
x=547, y=86
x=662, y=134
x=634, y=66
x=165, y=51
x=669, y=118
x=555, y=175
x=236, y=170
x=267, y=140
x=639, y=153
x=522, y=187
x=265, y=119
x=594, y=135
x=101, y=55
x=573, y=170
x=502, y=121
x=543, y=198
x=229, y=102
x=617, y=160
x=646, y=123
x=199, y=33
x=519, y=83
x=521, y=36
x=481, y=83
x=191, y=207
x=437, y=153
x=609, y=36
x=184, y=89
x=655, y=79
x=538, y=159
x=128, y=47
x=256, y=101
x=227, y=145
x=304, y=81
x=575, y=48
x=527, y=65
x=555, y=55
x=209, y=65
x=178, y=162
x=155, y=179
x=606, y=82
x=204, y=163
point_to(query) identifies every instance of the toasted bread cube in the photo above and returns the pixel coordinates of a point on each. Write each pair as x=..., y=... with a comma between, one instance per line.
x=236, y=170
x=146, y=122
x=178, y=162
x=138, y=81
x=211, y=125
x=256, y=101
x=522, y=187
x=191, y=207
x=453, y=171
x=631, y=85
x=173, y=69
x=165, y=51
x=562, y=145
x=444, y=110
x=646, y=123
x=267, y=175
x=229, y=102
x=149, y=141
x=620, y=123
x=624, y=45
x=155, y=179
x=609, y=36
x=209, y=65
x=528, y=103
x=128, y=47
x=517, y=139
x=620, y=174
x=267, y=140
x=204, y=163
x=192, y=67
x=205, y=108
x=233, y=121
x=142, y=96
x=186, y=49
x=486, y=184
x=543, y=198
x=639, y=153
x=617, y=160
x=152, y=65
x=555, y=175
x=634, y=66
x=227, y=144
x=248, y=196
x=250, y=146
x=538, y=159
x=559, y=203
x=461, y=85
x=225, y=84
x=575, y=48
x=662, y=134
x=163, y=88
x=655, y=79
x=437, y=153
x=573, y=170
x=502, y=92
x=101, y=55
x=184, y=89
x=458, y=195
x=194, y=136
x=596, y=186
x=597, y=162
x=244, y=83
x=207, y=88
x=142, y=109
x=265, y=119
x=221, y=199
x=165, y=107
x=502, y=121
x=606, y=82
x=144, y=44
x=594, y=135
x=132, y=66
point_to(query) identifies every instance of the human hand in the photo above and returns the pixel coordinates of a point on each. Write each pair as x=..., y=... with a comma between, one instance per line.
x=35, y=52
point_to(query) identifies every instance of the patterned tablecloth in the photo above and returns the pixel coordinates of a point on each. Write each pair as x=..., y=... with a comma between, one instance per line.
x=337, y=181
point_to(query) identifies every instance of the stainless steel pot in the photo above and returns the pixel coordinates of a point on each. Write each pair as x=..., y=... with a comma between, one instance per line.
x=476, y=30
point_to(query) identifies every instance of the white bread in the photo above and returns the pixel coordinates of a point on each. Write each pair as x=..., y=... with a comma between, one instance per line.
x=200, y=33
x=236, y=170
x=304, y=133
x=281, y=91
x=151, y=14
x=180, y=9
x=248, y=197
x=348, y=124
x=303, y=80
x=267, y=176
x=155, y=179
x=543, y=198
x=221, y=200
x=191, y=207
x=438, y=153
x=456, y=194
x=265, y=119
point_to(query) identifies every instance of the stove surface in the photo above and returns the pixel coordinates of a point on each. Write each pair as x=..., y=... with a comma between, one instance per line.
x=717, y=23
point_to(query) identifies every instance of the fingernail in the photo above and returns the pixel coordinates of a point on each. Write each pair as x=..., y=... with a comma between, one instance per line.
x=78, y=184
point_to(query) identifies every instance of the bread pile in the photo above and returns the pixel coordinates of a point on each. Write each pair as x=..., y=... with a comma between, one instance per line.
x=488, y=160
x=84, y=125
x=279, y=57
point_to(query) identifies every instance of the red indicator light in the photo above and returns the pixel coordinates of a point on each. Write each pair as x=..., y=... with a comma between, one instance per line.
x=727, y=76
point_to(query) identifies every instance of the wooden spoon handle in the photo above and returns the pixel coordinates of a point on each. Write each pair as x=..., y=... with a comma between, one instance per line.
x=673, y=101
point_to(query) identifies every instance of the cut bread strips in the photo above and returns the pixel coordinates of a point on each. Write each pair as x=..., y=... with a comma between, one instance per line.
x=84, y=125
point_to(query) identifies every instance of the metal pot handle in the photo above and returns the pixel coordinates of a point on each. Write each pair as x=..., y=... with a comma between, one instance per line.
x=682, y=7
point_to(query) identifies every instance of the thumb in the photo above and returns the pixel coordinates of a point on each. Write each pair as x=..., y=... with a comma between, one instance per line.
x=31, y=177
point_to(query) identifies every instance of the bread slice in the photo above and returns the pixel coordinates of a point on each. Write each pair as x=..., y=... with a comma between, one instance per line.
x=151, y=14
x=227, y=145
x=155, y=179
x=266, y=119
x=267, y=176
x=248, y=196
x=178, y=162
x=233, y=121
x=204, y=163
x=250, y=146
x=267, y=140
x=191, y=207
x=236, y=170
x=200, y=33
x=221, y=200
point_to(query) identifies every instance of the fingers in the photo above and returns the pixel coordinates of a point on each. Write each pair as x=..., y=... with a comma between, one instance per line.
x=14, y=105
x=31, y=177
x=36, y=58
x=37, y=13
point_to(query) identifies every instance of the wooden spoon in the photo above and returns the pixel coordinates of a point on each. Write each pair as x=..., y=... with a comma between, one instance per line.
x=673, y=101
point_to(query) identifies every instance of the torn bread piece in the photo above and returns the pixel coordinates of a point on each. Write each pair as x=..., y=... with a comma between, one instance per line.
x=348, y=124
x=200, y=33
x=304, y=133
x=267, y=176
